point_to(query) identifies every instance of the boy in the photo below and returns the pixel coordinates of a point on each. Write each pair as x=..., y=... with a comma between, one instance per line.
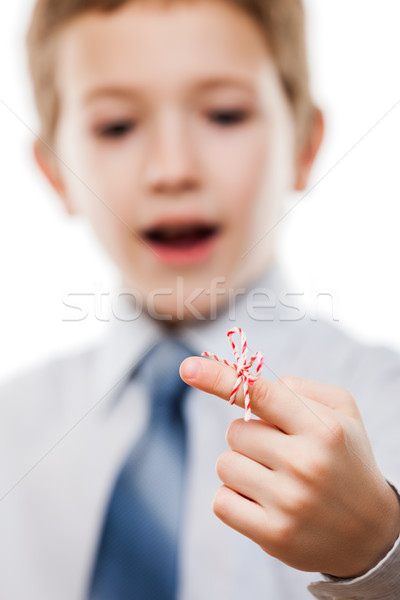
x=177, y=128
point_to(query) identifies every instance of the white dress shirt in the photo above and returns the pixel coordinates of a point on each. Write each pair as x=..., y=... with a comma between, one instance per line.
x=65, y=429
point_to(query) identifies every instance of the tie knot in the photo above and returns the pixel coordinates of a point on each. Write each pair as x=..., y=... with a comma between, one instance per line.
x=161, y=374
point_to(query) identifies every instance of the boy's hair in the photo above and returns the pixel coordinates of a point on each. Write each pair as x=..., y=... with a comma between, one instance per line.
x=281, y=22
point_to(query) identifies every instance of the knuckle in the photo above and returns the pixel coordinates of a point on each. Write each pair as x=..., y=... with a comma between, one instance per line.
x=311, y=469
x=262, y=394
x=297, y=502
x=348, y=397
x=224, y=464
x=258, y=395
x=283, y=531
x=351, y=403
x=233, y=433
x=220, y=504
x=218, y=380
x=317, y=469
x=287, y=381
x=333, y=433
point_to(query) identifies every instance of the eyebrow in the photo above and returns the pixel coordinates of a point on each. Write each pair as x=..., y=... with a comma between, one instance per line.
x=208, y=84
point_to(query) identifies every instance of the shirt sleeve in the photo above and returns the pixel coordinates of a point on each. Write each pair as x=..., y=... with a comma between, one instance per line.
x=382, y=582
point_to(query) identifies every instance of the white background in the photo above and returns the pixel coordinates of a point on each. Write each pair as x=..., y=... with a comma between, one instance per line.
x=342, y=238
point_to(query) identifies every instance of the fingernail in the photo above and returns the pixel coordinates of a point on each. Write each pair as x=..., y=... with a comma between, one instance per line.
x=190, y=368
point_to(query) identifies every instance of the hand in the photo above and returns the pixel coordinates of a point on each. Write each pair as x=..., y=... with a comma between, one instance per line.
x=301, y=481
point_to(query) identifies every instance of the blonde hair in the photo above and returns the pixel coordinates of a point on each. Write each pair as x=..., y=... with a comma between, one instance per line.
x=282, y=23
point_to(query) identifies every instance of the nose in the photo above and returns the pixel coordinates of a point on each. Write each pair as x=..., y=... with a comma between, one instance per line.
x=170, y=166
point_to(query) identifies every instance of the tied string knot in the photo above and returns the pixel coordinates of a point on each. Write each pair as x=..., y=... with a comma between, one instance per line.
x=242, y=368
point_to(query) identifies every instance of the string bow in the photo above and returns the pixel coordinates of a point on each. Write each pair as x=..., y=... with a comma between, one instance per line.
x=242, y=368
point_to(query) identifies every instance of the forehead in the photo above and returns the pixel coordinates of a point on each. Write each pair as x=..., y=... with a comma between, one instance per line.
x=160, y=48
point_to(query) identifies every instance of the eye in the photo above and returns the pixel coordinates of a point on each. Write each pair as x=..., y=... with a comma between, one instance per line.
x=115, y=130
x=228, y=117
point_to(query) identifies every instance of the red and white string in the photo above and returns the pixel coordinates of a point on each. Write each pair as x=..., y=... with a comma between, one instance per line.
x=242, y=368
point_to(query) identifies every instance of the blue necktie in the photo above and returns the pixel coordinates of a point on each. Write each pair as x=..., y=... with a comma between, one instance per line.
x=138, y=551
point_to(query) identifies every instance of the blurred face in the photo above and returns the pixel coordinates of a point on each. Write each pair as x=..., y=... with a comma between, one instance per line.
x=175, y=121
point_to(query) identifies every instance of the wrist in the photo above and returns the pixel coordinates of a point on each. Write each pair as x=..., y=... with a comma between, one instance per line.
x=383, y=535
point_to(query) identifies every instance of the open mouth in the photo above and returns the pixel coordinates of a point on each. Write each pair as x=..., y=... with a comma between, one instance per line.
x=180, y=237
x=182, y=244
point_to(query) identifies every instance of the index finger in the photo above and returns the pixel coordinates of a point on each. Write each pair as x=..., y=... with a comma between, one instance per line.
x=269, y=400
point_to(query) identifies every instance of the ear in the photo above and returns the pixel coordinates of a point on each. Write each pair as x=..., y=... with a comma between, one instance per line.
x=309, y=151
x=48, y=163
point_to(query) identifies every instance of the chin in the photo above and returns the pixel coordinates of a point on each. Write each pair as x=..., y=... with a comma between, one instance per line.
x=175, y=309
x=177, y=296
